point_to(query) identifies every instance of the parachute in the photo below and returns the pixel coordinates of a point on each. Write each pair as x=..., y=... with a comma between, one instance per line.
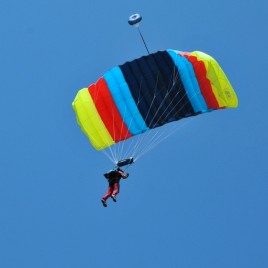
x=149, y=92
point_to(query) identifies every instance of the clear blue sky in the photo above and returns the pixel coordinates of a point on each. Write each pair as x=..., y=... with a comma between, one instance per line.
x=199, y=200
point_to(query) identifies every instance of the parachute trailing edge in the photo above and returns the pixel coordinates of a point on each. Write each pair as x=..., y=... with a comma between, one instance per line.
x=149, y=92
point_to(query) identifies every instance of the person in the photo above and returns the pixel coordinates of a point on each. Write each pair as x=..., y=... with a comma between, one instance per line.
x=113, y=178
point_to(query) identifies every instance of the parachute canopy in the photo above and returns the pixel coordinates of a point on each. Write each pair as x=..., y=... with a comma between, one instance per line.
x=149, y=92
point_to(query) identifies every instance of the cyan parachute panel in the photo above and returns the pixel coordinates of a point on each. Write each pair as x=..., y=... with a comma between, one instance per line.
x=149, y=92
x=189, y=81
x=124, y=102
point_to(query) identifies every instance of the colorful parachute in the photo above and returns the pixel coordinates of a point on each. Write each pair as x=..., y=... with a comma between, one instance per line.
x=149, y=92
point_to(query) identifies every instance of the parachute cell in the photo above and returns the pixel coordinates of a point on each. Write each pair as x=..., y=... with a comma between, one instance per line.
x=149, y=92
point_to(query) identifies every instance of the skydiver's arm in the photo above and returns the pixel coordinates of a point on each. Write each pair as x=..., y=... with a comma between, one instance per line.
x=124, y=175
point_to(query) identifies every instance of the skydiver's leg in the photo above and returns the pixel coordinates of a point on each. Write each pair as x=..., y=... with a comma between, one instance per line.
x=109, y=192
x=116, y=189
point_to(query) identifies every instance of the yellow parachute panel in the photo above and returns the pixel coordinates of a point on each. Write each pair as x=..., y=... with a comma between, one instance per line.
x=221, y=86
x=89, y=120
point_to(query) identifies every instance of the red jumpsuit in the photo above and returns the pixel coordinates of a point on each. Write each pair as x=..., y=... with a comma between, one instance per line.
x=114, y=180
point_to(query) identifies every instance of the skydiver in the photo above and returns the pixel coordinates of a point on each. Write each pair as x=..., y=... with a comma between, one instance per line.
x=113, y=178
